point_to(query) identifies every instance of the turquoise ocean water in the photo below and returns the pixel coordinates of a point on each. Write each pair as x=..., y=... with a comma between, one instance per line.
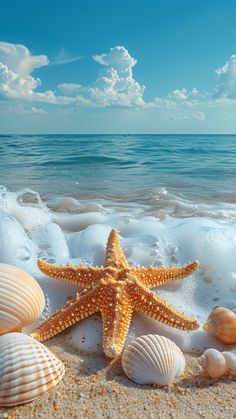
x=198, y=167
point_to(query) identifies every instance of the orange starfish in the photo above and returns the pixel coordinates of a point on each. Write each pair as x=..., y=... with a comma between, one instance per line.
x=116, y=290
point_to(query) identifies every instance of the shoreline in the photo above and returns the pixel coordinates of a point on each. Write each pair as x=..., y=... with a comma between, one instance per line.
x=95, y=387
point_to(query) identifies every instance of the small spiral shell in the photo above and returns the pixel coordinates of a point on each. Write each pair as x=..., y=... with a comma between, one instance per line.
x=217, y=363
x=213, y=362
x=230, y=359
x=221, y=323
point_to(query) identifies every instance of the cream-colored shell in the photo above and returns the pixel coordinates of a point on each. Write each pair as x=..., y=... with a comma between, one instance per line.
x=230, y=359
x=21, y=299
x=217, y=363
x=27, y=369
x=213, y=362
x=221, y=323
x=153, y=359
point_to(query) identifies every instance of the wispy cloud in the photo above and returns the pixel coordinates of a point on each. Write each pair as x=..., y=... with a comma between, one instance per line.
x=64, y=58
x=20, y=109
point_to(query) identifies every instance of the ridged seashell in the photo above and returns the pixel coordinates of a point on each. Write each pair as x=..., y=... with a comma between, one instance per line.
x=153, y=359
x=230, y=359
x=222, y=323
x=21, y=299
x=27, y=369
x=213, y=362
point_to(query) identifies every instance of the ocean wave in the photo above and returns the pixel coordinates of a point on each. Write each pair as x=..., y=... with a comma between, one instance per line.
x=199, y=166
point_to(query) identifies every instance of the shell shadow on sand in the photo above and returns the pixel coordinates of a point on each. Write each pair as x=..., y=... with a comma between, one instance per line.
x=192, y=378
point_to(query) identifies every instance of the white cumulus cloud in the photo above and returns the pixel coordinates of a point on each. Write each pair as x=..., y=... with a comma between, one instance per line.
x=19, y=59
x=115, y=85
x=179, y=94
x=16, y=82
x=226, y=86
x=13, y=85
x=183, y=94
x=16, y=66
x=118, y=58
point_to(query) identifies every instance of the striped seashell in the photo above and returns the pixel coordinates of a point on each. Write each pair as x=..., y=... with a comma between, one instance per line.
x=27, y=369
x=213, y=362
x=153, y=359
x=221, y=323
x=21, y=299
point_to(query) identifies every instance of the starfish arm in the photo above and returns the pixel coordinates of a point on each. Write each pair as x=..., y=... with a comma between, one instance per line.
x=81, y=275
x=149, y=303
x=114, y=254
x=74, y=311
x=116, y=321
x=152, y=277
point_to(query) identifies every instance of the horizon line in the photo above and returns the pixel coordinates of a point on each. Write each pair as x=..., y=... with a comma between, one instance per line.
x=125, y=134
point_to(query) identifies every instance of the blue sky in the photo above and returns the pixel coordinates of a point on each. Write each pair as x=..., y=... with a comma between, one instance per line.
x=129, y=66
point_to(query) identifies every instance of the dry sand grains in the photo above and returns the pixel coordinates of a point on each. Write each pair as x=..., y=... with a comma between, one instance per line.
x=95, y=387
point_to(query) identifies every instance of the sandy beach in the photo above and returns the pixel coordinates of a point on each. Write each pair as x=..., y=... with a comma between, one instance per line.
x=96, y=387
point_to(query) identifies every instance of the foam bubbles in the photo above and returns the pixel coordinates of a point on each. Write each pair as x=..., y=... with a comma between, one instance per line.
x=15, y=246
x=66, y=230
x=89, y=245
x=52, y=243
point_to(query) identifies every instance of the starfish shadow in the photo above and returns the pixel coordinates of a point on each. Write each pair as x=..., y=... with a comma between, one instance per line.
x=89, y=364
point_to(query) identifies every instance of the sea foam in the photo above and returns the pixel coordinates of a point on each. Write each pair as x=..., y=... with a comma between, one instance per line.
x=65, y=229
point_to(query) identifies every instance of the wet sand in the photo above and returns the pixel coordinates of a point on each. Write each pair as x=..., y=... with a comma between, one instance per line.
x=96, y=387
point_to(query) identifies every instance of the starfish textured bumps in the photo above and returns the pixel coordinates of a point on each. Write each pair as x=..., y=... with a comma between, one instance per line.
x=116, y=290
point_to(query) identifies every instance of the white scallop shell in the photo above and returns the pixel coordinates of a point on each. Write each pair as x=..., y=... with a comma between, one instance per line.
x=27, y=369
x=213, y=362
x=21, y=299
x=153, y=359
